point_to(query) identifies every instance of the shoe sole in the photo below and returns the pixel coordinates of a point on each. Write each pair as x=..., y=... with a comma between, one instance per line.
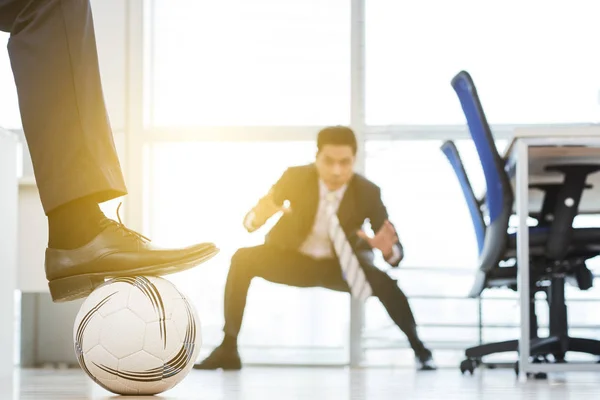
x=80, y=286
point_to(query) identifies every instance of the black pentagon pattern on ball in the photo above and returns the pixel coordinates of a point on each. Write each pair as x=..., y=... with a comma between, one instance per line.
x=169, y=368
x=81, y=330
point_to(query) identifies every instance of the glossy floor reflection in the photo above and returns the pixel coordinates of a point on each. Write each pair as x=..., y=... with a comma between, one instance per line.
x=316, y=384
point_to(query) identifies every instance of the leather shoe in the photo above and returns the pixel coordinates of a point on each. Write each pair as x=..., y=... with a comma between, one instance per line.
x=116, y=251
x=221, y=358
x=424, y=362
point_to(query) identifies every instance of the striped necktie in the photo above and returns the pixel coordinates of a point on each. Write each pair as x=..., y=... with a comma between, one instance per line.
x=351, y=269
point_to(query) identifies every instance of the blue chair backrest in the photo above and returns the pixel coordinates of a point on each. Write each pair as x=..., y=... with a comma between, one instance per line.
x=499, y=192
x=451, y=152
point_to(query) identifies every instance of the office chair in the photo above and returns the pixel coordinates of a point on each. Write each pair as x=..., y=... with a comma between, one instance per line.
x=557, y=250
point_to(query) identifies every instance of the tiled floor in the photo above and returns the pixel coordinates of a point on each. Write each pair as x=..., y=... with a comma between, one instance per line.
x=317, y=384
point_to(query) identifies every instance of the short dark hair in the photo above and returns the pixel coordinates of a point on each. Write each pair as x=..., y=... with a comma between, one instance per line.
x=336, y=135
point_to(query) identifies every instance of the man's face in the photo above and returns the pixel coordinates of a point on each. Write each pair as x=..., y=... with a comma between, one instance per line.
x=335, y=164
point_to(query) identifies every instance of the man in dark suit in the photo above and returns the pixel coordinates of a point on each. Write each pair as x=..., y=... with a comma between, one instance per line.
x=299, y=251
x=53, y=54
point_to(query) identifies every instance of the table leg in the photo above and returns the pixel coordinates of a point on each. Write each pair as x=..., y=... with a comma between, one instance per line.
x=522, y=209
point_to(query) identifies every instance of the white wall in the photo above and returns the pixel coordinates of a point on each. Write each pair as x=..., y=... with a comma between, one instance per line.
x=33, y=238
x=8, y=249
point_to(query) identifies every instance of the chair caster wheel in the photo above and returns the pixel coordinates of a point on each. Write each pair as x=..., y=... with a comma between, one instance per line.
x=468, y=365
x=537, y=375
x=540, y=376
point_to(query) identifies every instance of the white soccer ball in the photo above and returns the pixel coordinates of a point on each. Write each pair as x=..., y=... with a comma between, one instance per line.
x=137, y=335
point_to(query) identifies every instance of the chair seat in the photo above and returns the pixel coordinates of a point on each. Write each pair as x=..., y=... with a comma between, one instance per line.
x=585, y=244
x=502, y=277
x=584, y=241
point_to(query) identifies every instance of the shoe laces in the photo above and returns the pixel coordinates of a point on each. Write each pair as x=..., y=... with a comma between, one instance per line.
x=125, y=231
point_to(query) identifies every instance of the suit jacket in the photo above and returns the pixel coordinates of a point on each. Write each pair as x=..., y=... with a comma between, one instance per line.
x=300, y=186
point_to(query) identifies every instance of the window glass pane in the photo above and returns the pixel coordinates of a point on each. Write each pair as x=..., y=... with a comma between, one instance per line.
x=532, y=61
x=239, y=62
x=433, y=313
x=438, y=282
x=424, y=199
x=590, y=221
x=583, y=313
x=573, y=292
x=201, y=192
x=503, y=312
x=10, y=118
x=491, y=335
x=447, y=326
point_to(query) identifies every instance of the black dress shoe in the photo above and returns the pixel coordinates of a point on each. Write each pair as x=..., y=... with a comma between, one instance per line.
x=116, y=251
x=424, y=362
x=221, y=358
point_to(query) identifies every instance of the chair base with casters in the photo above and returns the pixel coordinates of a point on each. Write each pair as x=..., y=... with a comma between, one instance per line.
x=557, y=344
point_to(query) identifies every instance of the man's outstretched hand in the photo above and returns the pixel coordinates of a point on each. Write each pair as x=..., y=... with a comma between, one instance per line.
x=266, y=208
x=384, y=239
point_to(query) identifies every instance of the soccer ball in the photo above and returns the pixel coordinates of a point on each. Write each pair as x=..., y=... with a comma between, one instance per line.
x=137, y=335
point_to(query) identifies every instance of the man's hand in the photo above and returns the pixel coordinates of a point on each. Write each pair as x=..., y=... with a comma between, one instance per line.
x=383, y=240
x=266, y=208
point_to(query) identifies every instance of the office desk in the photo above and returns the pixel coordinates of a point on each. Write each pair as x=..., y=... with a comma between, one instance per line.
x=529, y=151
x=550, y=152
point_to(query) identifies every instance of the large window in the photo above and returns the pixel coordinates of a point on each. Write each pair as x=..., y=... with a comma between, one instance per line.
x=201, y=192
x=532, y=61
x=286, y=63
x=239, y=62
x=425, y=201
x=10, y=118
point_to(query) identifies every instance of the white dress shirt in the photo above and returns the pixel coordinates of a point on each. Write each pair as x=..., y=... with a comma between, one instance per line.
x=318, y=244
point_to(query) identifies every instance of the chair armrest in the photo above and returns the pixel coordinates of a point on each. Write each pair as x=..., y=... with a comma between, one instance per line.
x=566, y=206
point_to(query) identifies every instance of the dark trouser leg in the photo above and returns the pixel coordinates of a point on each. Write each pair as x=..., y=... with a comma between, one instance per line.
x=396, y=304
x=274, y=265
x=9, y=9
x=55, y=64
